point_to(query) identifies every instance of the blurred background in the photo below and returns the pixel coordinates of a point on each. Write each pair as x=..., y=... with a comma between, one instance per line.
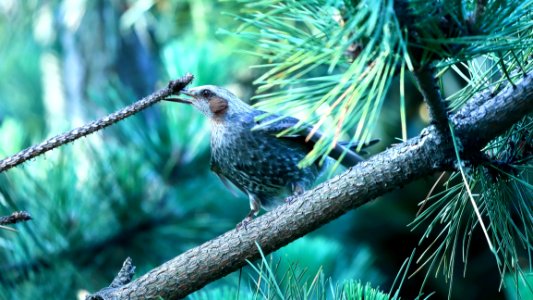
x=143, y=188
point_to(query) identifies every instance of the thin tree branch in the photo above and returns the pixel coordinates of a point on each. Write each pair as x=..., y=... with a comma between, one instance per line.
x=416, y=158
x=85, y=253
x=173, y=88
x=427, y=84
x=15, y=217
x=481, y=6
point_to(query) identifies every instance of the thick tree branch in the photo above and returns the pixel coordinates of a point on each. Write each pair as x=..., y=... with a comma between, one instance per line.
x=418, y=157
x=173, y=88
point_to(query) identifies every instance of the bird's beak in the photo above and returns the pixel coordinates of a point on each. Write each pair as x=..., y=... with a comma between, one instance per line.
x=187, y=92
x=182, y=100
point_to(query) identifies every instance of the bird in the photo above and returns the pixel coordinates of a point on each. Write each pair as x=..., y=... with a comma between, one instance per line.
x=248, y=152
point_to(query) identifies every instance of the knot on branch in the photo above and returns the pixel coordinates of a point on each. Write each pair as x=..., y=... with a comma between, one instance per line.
x=123, y=277
x=15, y=217
x=515, y=154
x=179, y=84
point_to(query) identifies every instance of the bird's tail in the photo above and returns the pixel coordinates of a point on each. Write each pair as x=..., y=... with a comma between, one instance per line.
x=354, y=145
x=345, y=151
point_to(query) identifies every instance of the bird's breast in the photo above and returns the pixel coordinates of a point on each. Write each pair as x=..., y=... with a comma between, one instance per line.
x=258, y=163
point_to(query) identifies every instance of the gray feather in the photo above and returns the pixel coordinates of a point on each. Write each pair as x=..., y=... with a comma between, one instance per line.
x=271, y=125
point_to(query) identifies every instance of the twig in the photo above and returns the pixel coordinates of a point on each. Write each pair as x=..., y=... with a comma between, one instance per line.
x=481, y=6
x=83, y=254
x=427, y=84
x=173, y=88
x=416, y=158
x=15, y=217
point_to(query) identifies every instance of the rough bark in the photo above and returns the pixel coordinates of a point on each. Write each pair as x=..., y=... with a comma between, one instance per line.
x=476, y=124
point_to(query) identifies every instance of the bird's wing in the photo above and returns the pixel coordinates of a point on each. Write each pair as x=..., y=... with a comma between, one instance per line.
x=274, y=124
x=227, y=183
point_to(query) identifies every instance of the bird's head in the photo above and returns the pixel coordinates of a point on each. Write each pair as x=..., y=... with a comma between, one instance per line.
x=213, y=101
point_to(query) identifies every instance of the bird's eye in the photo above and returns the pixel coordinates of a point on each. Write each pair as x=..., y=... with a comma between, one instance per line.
x=206, y=93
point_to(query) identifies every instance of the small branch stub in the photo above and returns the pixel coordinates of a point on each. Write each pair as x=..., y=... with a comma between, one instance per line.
x=123, y=277
x=427, y=84
x=15, y=217
x=179, y=84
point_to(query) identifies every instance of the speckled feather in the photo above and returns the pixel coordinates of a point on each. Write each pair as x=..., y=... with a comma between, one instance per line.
x=257, y=162
x=248, y=153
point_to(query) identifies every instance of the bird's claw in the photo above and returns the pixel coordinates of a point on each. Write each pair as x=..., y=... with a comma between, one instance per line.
x=290, y=199
x=297, y=190
x=244, y=223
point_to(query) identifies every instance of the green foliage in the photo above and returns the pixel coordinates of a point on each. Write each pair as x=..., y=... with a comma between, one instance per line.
x=520, y=290
x=331, y=257
x=501, y=197
x=271, y=282
x=501, y=186
x=142, y=182
x=329, y=63
x=332, y=62
x=501, y=192
x=21, y=82
x=143, y=185
x=355, y=290
x=300, y=270
x=222, y=293
x=349, y=290
x=455, y=31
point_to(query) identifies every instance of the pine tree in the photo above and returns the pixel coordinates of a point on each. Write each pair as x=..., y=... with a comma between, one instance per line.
x=334, y=64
